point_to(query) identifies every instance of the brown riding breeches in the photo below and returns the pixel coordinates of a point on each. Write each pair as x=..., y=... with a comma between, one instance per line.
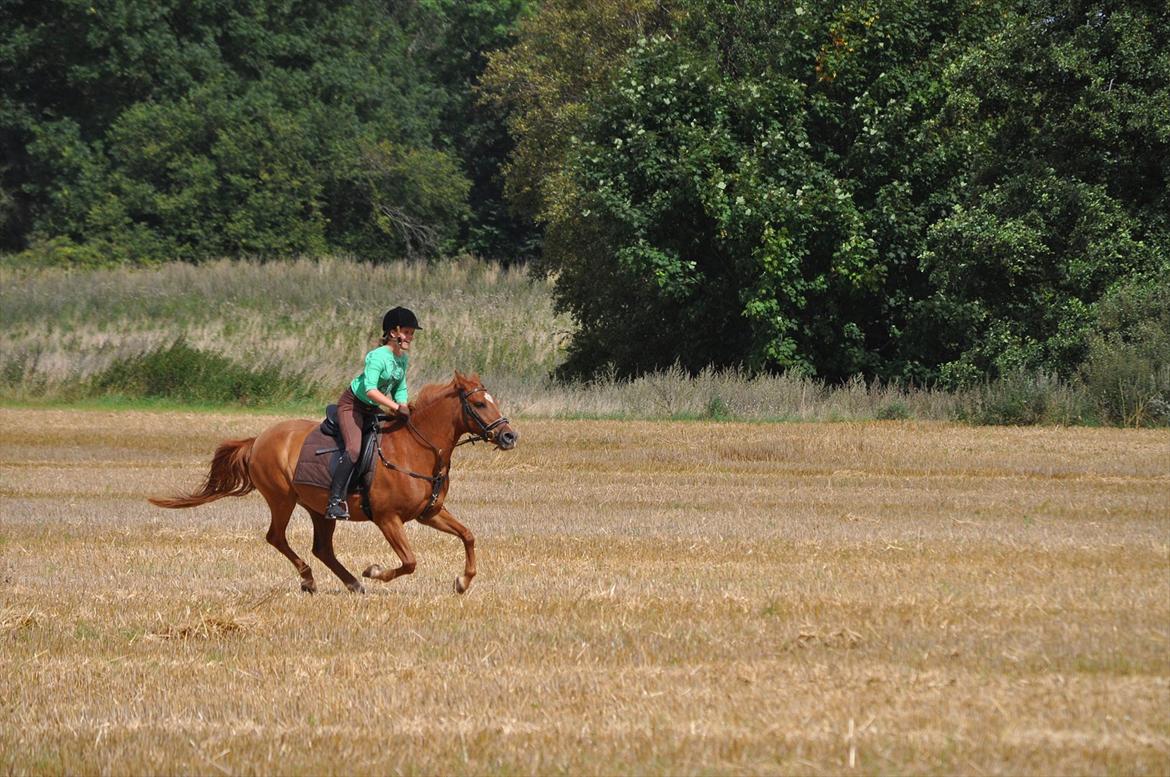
x=352, y=416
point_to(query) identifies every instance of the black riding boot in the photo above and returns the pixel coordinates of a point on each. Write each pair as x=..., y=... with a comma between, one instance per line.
x=338, y=509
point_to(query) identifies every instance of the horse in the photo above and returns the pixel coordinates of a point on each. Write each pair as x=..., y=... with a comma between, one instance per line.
x=410, y=481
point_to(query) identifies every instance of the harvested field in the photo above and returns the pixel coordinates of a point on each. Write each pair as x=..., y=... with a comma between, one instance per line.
x=653, y=598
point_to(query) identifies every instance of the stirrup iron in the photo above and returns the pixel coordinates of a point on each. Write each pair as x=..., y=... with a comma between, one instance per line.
x=337, y=510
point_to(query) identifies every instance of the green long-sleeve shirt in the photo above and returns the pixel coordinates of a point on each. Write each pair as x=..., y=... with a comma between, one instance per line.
x=385, y=372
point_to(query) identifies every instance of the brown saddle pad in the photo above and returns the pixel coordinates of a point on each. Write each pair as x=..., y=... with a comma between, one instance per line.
x=313, y=468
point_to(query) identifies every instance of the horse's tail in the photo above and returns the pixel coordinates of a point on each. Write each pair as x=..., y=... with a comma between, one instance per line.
x=228, y=476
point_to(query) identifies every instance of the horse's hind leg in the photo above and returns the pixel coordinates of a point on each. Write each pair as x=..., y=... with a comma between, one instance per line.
x=282, y=509
x=323, y=549
x=445, y=522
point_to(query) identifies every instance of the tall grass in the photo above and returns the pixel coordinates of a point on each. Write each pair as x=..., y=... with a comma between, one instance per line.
x=295, y=332
x=312, y=319
x=734, y=395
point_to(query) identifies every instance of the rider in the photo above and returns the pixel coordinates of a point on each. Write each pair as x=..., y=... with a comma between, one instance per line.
x=382, y=384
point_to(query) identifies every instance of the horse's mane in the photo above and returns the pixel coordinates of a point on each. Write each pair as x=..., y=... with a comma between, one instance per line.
x=432, y=392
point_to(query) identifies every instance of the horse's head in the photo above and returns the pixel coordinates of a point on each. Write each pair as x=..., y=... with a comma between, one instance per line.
x=482, y=415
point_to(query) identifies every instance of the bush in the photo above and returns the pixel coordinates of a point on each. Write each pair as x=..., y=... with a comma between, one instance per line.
x=1127, y=371
x=717, y=409
x=1128, y=386
x=180, y=372
x=61, y=252
x=1023, y=399
x=893, y=411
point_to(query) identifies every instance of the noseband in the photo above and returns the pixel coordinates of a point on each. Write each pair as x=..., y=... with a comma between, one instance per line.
x=485, y=429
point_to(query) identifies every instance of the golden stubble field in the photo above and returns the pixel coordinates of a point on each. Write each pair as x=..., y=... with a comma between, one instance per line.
x=653, y=598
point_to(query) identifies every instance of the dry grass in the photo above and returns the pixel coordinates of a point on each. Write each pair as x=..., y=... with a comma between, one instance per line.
x=312, y=319
x=652, y=599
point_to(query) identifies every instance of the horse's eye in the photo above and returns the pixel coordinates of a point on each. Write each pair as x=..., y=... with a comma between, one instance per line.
x=481, y=404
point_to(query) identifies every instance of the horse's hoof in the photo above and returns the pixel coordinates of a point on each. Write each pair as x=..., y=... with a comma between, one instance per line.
x=356, y=587
x=373, y=570
x=459, y=587
x=308, y=586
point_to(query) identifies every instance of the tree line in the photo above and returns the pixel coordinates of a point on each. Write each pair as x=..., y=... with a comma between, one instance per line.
x=148, y=130
x=931, y=191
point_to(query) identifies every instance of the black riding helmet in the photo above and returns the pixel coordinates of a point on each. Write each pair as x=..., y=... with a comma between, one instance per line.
x=399, y=317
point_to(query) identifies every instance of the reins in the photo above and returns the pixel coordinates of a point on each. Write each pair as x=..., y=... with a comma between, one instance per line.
x=436, y=480
x=440, y=477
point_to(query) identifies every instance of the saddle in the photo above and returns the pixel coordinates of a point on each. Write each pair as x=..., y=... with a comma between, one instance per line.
x=330, y=427
x=323, y=449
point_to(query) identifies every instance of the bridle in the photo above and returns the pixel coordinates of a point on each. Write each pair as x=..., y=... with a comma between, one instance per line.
x=436, y=480
x=485, y=429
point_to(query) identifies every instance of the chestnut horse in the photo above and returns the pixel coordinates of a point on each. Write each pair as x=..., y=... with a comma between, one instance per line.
x=410, y=479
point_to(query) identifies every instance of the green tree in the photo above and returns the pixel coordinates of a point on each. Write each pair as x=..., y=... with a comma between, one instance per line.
x=476, y=129
x=157, y=130
x=1063, y=194
x=899, y=189
x=418, y=195
x=754, y=188
x=564, y=53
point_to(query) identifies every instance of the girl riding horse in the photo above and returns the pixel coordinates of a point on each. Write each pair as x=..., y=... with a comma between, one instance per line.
x=410, y=480
x=384, y=375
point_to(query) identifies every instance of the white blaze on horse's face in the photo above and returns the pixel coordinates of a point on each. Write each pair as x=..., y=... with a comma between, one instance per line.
x=488, y=397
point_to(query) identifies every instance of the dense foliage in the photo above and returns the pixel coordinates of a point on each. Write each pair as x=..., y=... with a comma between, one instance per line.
x=909, y=190
x=159, y=129
x=937, y=191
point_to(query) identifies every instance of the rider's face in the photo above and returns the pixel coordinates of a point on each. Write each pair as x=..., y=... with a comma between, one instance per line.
x=402, y=337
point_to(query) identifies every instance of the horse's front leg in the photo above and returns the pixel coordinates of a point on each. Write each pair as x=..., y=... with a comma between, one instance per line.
x=445, y=522
x=392, y=529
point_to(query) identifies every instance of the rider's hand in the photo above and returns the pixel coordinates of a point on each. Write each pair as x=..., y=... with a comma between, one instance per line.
x=403, y=411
